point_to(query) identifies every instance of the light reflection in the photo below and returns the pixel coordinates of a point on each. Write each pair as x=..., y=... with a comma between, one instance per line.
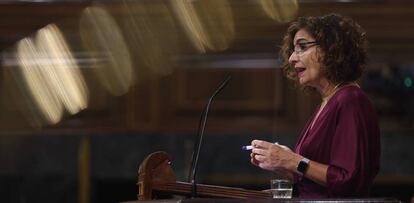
x=63, y=76
x=152, y=35
x=51, y=78
x=209, y=24
x=101, y=34
x=280, y=10
x=35, y=77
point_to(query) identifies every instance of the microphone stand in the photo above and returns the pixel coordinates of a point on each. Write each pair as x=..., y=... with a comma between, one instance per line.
x=200, y=133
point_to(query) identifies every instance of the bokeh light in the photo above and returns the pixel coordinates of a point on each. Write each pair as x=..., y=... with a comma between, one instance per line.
x=102, y=36
x=51, y=78
x=280, y=10
x=208, y=24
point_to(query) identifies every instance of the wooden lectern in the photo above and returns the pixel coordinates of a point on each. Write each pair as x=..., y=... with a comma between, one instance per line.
x=155, y=175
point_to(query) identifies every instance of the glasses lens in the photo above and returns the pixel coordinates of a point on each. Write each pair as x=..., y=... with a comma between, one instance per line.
x=303, y=46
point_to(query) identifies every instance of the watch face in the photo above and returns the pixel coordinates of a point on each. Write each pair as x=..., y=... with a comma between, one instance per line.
x=303, y=165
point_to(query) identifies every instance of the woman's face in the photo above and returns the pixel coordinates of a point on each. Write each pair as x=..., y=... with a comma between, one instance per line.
x=305, y=59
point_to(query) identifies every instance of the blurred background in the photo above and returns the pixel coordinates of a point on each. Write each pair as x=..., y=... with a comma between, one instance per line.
x=90, y=88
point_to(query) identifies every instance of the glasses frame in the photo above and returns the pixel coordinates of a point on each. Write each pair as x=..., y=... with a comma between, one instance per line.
x=299, y=50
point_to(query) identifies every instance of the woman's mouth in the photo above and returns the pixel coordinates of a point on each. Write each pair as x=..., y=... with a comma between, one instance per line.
x=300, y=71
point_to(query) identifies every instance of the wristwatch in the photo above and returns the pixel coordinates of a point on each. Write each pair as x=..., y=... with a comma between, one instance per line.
x=302, y=166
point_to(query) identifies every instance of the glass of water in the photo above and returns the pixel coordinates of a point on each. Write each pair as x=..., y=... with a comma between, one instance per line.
x=281, y=188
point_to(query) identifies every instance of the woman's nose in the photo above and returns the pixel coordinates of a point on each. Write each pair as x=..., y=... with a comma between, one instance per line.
x=293, y=58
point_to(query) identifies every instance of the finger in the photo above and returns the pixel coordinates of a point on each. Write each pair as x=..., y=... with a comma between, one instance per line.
x=254, y=162
x=259, y=151
x=254, y=143
x=259, y=158
x=261, y=144
x=252, y=155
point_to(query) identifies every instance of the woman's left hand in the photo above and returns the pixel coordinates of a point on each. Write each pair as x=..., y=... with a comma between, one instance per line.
x=273, y=157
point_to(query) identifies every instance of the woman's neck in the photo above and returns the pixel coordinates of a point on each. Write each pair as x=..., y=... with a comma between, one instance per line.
x=328, y=94
x=326, y=89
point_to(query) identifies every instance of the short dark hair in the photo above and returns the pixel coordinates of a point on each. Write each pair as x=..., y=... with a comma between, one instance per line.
x=340, y=38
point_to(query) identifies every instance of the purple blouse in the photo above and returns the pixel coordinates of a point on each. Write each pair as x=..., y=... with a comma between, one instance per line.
x=345, y=137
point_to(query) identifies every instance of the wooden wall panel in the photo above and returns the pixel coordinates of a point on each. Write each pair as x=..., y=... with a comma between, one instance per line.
x=255, y=99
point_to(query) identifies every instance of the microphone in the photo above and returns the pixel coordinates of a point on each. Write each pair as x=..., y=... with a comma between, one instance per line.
x=200, y=133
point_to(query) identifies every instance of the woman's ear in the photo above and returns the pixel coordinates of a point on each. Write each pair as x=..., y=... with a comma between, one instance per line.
x=319, y=55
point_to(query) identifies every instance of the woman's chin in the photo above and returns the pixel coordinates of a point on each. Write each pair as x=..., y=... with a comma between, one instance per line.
x=303, y=81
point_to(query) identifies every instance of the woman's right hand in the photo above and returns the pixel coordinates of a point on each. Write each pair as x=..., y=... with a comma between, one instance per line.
x=273, y=157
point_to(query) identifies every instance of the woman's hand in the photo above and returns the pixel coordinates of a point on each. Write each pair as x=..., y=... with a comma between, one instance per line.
x=279, y=158
x=273, y=157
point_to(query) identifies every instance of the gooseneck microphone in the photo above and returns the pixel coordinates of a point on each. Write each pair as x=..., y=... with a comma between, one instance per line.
x=200, y=133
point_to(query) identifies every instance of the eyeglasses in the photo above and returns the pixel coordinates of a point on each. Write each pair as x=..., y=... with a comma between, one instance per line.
x=303, y=46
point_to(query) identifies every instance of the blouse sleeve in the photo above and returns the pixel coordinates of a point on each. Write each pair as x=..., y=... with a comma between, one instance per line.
x=344, y=175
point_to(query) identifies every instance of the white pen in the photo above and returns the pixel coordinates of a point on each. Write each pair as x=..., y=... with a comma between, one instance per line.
x=250, y=147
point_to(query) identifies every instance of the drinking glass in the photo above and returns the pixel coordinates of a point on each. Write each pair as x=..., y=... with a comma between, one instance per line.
x=281, y=188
